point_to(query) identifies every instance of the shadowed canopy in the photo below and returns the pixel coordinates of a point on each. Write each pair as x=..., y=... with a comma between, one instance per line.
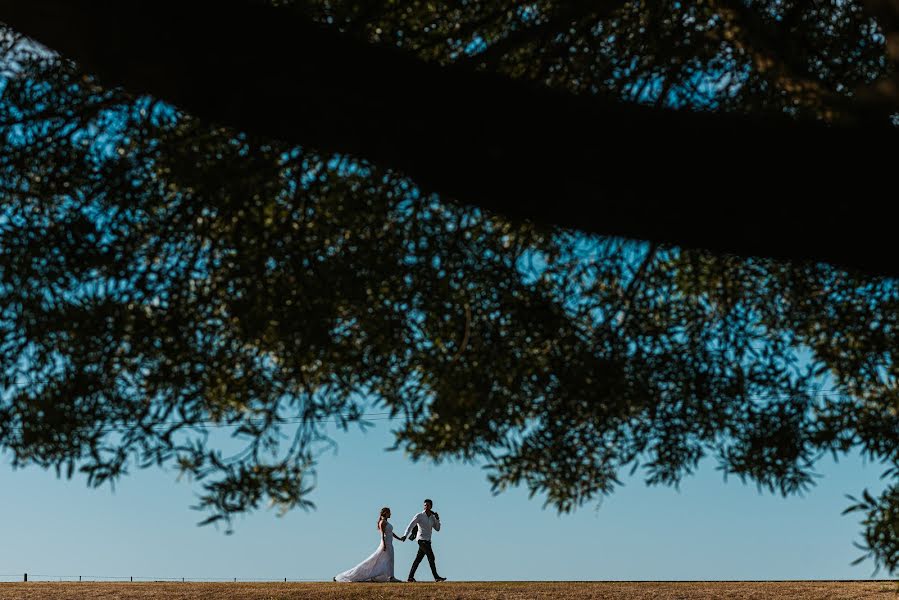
x=197, y=232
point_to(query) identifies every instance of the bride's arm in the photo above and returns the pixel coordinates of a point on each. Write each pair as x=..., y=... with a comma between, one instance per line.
x=383, y=530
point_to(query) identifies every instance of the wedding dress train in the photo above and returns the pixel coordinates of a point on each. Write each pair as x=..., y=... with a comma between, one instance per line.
x=377, y=567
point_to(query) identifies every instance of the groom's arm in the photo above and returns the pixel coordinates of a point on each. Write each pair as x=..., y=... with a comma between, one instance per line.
x=436, y=521
x=411, y=525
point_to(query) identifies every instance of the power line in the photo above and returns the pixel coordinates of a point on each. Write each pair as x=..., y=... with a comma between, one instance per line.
x=213, y=424
x=344, y=418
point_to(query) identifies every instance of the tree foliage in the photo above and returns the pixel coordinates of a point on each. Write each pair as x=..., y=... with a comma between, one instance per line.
x=806, y=59
x=160, y=275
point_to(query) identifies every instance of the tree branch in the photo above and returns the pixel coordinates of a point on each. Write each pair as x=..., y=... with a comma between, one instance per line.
x=727, y=183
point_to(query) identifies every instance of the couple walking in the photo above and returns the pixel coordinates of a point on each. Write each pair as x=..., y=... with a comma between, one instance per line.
x=379, y=566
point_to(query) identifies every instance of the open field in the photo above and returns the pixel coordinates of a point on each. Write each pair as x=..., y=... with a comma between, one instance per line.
x=454, y=591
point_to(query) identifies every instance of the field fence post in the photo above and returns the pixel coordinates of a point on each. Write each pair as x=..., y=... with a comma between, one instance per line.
x=26, y=577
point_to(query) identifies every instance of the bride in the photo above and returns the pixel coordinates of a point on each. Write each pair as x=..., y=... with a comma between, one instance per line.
x=378, y=566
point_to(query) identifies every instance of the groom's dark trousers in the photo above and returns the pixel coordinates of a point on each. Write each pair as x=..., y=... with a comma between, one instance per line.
x=424, y=549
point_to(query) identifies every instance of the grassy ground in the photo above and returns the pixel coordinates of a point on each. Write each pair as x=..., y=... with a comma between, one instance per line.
x=453, y=591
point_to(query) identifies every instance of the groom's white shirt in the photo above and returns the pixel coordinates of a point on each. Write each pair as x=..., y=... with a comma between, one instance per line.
x=425, y=524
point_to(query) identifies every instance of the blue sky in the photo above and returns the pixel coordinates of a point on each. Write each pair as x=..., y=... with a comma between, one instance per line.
x=707, y=530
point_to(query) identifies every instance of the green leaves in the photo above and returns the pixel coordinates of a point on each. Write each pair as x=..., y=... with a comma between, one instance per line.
x=880, y=527
x=161, y=277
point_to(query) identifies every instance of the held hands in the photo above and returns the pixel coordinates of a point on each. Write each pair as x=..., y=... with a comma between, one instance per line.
x=403, y=539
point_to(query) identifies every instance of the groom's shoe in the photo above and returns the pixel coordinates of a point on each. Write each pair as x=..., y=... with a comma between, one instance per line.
x=438, y=578
x=411, y=580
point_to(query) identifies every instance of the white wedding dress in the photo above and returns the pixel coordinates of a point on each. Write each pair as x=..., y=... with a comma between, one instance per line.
x=377, y=567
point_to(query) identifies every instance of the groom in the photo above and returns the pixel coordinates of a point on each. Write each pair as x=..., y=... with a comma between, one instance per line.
x=425, y=520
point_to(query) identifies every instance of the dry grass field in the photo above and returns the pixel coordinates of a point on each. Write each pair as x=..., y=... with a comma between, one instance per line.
x=451, y=591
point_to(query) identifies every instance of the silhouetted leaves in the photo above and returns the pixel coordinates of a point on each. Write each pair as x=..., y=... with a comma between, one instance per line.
x=161, y=276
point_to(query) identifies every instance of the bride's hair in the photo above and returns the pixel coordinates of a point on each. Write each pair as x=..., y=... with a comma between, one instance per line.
x=381, y=516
